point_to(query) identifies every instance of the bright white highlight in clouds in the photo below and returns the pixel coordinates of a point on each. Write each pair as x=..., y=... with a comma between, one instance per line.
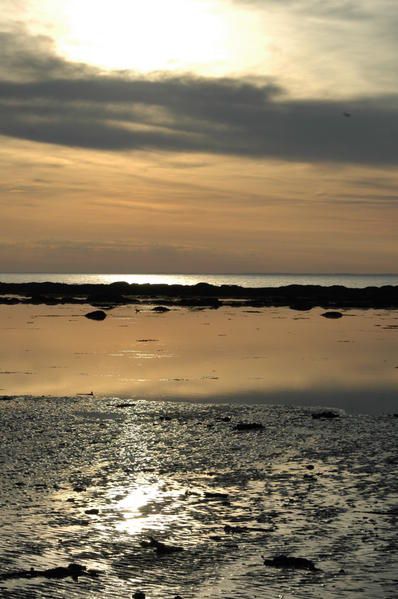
x=150, y=35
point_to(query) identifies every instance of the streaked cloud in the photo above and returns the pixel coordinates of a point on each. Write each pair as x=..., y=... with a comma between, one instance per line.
x=64, y=104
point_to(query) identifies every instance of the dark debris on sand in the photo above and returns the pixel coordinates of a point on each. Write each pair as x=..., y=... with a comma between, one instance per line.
x=248, y=426
x=288, y=562
x=325, y=415
x=160, y=547
x=72, y=570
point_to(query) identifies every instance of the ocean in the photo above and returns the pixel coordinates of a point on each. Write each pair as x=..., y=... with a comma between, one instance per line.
x=243, y=280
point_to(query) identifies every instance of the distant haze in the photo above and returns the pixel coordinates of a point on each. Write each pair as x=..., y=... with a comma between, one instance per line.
x=198, y=136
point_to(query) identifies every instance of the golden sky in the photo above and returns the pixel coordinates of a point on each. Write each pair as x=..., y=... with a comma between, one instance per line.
x=198, y=136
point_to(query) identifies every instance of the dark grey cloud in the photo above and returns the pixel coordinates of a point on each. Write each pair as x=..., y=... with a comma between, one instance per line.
x=50, y=100
x=31, y=57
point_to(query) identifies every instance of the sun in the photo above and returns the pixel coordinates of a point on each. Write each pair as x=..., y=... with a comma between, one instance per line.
x=143, y=35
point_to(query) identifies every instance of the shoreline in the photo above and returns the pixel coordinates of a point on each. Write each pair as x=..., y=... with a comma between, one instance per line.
x=300, y=297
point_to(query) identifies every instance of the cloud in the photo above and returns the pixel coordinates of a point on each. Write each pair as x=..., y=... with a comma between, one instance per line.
x=49, y=100
x=333, y=9
x=32, y=57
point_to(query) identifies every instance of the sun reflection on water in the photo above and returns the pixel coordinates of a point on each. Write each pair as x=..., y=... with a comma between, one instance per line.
x=142, y=509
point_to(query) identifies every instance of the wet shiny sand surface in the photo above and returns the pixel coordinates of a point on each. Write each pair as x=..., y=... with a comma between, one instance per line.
x=325, y=490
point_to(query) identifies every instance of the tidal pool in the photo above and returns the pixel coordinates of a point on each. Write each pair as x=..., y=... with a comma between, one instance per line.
x=226, y=355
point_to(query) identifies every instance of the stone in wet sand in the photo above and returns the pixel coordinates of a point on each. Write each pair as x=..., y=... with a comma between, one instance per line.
x=248, y=426
x=325, y=415
x=96, y=315
x=161, y=548
x=332, y=315
x=287, y=562
x=72, y=570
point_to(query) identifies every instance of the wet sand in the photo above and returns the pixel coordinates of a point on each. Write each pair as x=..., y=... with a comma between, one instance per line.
x=92, y=481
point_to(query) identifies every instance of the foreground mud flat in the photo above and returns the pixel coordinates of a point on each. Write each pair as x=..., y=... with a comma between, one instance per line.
x=103, y=483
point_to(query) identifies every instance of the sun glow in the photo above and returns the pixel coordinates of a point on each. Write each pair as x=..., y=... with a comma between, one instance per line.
x=144, y=35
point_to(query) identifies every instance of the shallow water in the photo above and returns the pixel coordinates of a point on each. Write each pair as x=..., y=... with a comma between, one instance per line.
x=226, y=355
x=147, y=467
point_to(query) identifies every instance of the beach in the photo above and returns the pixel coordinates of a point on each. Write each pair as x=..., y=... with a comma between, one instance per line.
x=123, y=434
x=93, y=482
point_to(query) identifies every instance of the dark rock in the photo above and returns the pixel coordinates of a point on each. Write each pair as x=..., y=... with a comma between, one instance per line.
x=124, y=406
x=248, y=426
x=73, y=571
x=96, y=315
x=301, y=306
x=228, y=528
x=202, y=302
x=310, y=467
x=92, y=512
x=139, y=595
x=160, y=309
x=333, y=297
x=296, y=563
x=235, y=529
x=325, y=415
x=216, y=495
x=224, y=419
x=332, y=315
x=161, y=548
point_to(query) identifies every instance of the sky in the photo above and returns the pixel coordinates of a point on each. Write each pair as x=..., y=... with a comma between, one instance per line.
x=198, y=136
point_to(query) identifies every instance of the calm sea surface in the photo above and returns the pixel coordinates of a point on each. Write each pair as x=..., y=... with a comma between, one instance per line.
x=244, y=280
